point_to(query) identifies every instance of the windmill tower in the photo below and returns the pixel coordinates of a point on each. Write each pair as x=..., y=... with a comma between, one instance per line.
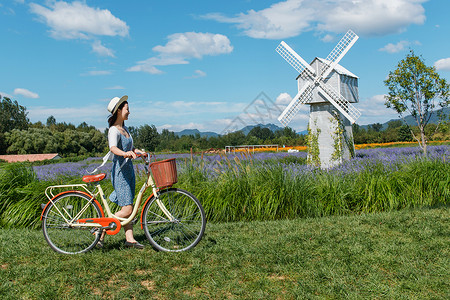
x=330, y=90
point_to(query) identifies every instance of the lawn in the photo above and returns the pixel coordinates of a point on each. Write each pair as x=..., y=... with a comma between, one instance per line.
x=395, y=255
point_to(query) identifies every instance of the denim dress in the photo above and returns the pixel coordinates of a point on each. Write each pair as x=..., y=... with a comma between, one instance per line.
x=123, y=179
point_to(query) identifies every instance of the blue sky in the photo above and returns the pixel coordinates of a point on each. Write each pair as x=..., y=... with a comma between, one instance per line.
x=201, y=64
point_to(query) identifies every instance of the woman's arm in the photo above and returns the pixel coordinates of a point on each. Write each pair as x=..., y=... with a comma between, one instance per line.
x=113, y=140
x=118, y=152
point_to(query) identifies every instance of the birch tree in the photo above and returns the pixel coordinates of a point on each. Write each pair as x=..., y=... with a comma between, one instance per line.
x=418, y=90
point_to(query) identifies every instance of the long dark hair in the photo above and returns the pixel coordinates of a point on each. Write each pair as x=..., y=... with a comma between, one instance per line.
x=113, y=118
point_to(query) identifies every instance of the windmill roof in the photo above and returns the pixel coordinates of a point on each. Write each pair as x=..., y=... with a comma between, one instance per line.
x=338, y=68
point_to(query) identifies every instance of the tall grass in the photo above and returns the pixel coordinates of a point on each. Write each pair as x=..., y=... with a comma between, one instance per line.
x=20, y=195
x=244, y=188
x=269, y=191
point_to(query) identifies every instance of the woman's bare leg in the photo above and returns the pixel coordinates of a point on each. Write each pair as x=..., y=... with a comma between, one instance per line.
x=125, y=212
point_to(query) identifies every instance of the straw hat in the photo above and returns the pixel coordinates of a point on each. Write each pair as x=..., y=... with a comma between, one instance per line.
x=115, y=103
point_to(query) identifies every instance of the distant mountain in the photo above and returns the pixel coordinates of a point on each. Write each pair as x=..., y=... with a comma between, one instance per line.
x=272, y=127
x=410, y=120
x=208, y=134
x=196, y=131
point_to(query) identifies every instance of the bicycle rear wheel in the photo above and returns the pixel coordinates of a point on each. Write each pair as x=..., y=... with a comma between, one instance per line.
x=59, y=234
x=184, y=231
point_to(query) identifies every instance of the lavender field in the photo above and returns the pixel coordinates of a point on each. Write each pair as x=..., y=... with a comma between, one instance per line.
x=391, y=159
x=263, y=186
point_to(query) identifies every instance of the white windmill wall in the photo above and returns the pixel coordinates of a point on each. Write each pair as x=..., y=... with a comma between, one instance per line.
x=331, y=131
x=349, y=88
x=331, y=136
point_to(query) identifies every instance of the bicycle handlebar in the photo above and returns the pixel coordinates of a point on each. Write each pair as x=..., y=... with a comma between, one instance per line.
x=145, y=156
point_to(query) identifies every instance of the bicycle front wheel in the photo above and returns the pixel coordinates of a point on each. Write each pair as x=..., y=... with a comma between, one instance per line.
x=59, y=234
x=177, y=223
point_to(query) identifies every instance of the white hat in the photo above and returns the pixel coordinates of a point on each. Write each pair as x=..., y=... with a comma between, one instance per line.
x=115, y=103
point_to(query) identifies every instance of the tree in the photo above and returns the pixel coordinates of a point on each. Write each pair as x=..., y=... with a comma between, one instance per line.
x=394, y=124
x=261, y=133
x=148, y=137
x=404, y=134
x=166, y=140
x=416, y=89
x=51, y=121
x=85, y=127
x=256, y=132
x=287, y=132
x=376, y=127
x=233, y=139
x=43, y=140
x=12, y=116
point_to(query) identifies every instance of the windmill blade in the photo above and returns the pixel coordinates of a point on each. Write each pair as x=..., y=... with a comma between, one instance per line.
x=345, y=107
x=294, y=59
x=338, y=52
x=302, y=97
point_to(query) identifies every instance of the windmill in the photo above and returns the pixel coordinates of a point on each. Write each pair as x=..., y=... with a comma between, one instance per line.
x=330, y=90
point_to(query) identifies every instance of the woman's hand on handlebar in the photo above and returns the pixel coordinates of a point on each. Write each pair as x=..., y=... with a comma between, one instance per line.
x=140, y=153
x=130, y=154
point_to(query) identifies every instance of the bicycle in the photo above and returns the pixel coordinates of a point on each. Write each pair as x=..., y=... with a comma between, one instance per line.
x=173, y=219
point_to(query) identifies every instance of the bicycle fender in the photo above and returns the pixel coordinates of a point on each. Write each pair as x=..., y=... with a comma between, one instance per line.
x=75, y=191
x=143, y=207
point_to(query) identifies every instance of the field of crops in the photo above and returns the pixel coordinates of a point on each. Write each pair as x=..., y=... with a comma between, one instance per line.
x=260, y=186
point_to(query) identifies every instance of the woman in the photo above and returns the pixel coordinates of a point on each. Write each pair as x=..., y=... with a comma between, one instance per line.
x=122, y=173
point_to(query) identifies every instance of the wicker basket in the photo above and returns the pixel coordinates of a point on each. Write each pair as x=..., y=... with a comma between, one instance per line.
x=164, y=172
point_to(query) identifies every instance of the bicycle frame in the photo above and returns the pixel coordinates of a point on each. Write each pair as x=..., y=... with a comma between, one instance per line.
x=98, y=191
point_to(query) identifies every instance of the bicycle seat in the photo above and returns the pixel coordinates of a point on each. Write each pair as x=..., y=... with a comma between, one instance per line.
x=93, y=178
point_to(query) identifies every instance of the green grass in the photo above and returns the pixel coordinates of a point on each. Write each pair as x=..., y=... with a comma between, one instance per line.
x=394, y=255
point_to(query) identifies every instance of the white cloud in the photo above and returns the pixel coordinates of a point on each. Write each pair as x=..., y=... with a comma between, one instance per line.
x=394, y=48
x=283, y=99
x=280, y=20
x=197, y=74
x=26, y=93
x=292, y=17
x=184, y=46
x=145, y=66
x=97, y=73
x=75, y=115
x=373, y=110
x=328, y=38
x=77, y=20
x=443, y=64
x=180, y=114
x=98, y=48
x=195, y=44
x=116, y=87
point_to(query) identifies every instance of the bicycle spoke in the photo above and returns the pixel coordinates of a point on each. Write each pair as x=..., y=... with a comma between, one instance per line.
x=161, y=217
x=187, y=228
x=61, y=236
